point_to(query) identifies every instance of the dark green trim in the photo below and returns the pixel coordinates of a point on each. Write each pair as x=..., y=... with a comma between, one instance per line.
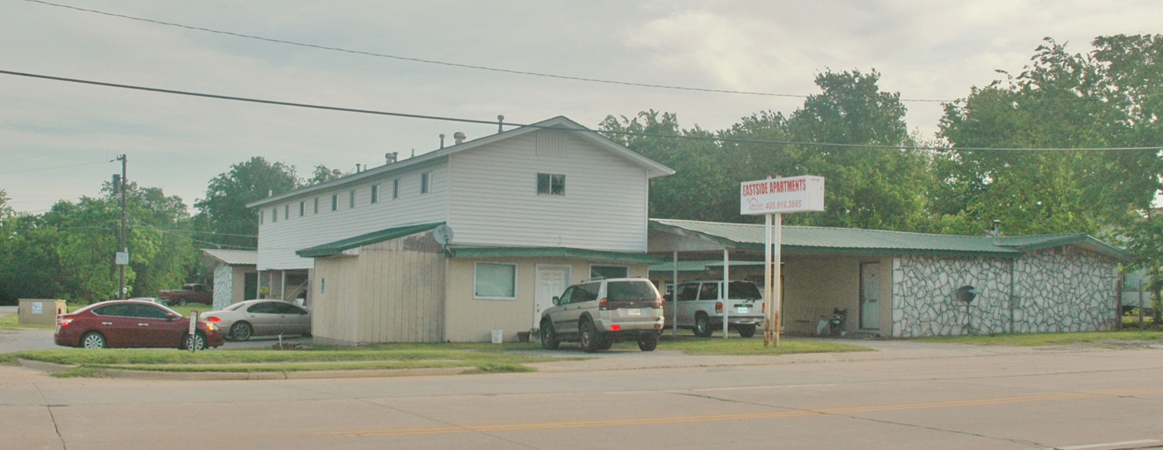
x=554, y=252
x=337, y=247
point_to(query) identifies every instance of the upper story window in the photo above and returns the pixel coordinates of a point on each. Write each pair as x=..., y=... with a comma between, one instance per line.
x=426, y=182
x=550, y=184
x=302, y=208
x=261, y=217
x=335, y=202
x=395, y=188
x=274, y=214
x=351, y=199
x=286, y=212
x=375, y=193
x=316, y=205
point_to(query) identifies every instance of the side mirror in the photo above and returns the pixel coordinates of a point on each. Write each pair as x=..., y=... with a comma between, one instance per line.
x=556, y=300
x=170, y=317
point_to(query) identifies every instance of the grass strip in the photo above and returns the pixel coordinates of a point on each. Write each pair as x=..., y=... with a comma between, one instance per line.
x=1047, y=339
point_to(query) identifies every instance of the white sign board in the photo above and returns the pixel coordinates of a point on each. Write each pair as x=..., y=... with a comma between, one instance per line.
x=123, y=258
x=782, y=195
x=38, y=308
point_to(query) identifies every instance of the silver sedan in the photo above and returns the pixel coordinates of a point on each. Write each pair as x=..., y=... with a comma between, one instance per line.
x=263, y=317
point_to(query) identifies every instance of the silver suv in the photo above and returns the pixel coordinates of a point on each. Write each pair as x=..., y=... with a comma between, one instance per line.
x=599, y=313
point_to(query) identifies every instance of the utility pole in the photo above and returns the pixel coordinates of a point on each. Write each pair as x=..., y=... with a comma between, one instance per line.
x=122, y=251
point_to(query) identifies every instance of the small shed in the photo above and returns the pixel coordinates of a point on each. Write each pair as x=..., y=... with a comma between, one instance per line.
x=235, y=275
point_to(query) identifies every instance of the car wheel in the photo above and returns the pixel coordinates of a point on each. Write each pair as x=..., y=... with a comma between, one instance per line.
x=181, y=301
x=703, y=326
x=548, y=337
x=93, y=339
x=746, y=330
x=589, y=337
x=647, y=342
x=241, y=331
x=195, y=342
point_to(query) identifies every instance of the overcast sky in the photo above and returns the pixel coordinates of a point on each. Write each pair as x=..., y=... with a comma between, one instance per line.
x=56, y=138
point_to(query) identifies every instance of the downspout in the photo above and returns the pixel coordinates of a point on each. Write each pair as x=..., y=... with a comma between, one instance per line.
x=674, y=298
x=1013, y=301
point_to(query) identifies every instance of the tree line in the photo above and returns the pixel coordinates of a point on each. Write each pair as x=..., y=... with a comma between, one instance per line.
x=888, y=178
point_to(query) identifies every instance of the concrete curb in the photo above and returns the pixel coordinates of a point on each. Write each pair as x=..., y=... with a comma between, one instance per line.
x=42, y=366
x=208, y=376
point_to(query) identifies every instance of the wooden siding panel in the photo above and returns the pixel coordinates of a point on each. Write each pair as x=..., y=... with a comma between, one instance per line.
x=494, y=198
x=279, y=240
x=335, y=313
x=405, y=286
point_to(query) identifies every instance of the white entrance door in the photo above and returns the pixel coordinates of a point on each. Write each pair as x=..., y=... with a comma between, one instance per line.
x=551, y=282
x=870, y=296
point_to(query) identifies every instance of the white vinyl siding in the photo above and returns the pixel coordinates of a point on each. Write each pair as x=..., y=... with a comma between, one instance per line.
x=279, y=241
x=494, y=201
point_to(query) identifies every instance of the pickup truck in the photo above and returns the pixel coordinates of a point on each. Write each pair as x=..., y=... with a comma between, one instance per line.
x=190, y=292
x=701, y=305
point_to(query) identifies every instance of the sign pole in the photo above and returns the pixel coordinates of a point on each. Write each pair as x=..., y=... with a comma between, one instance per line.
x=768, y=300
x=776, y=277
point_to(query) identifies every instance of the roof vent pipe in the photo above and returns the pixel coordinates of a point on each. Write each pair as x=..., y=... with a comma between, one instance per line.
x=459, y=137
x=500, y=123
x=357, y=168
x=441, y=140
x=336, y=173
x=390, y=157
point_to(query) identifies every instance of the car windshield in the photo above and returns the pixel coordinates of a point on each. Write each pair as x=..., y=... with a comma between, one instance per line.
x=629, y=291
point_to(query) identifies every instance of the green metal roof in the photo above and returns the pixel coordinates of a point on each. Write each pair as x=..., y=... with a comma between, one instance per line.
x=699, y=266
x=337, y=247
x=555, y=252
x=849, y=241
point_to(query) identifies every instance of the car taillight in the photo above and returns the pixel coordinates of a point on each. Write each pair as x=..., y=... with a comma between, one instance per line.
x=764, y=307
x=615, y=327
x=602, y=304
x=64, y=322
x=719, y=307
x=657, y=303
x=213, y=319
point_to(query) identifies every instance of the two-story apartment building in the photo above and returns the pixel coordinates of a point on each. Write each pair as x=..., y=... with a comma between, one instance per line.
x=458, y=242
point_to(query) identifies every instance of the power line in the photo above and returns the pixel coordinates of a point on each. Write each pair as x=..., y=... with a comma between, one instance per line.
x=601, y=132
x=441, y=63
x=54, y=168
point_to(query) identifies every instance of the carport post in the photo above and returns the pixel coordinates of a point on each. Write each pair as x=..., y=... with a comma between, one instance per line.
x=674, y=298
x=726, y=289
x=771, y=269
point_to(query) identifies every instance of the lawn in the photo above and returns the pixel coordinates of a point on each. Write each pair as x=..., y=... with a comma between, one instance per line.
x=1048, y=339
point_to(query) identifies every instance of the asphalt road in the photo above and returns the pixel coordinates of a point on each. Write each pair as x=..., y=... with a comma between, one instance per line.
x=906, y=396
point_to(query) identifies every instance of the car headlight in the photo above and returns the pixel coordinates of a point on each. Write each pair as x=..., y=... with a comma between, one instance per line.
x=211, y=327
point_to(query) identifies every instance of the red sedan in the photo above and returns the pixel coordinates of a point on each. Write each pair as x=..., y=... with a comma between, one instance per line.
x=133, y=323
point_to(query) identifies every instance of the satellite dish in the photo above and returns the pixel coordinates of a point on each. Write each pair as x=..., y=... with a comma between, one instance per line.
x=442, y=234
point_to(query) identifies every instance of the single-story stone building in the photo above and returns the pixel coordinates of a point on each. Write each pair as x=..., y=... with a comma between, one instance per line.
x=903, y=284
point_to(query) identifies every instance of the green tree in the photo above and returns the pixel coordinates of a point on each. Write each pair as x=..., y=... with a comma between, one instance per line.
x=1061, y=100
x=223, y=213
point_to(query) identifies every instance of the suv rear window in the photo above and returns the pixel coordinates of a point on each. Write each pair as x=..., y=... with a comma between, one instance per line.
x=744, y=289
x=629, y=291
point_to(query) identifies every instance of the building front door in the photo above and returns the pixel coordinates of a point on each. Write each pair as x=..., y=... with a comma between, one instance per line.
x=551, y=282
x=870, y=296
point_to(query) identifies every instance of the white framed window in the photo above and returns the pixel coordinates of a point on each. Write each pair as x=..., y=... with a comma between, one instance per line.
x=426, y=182
x=302, y=208
x=395, y=189
x=316, y=205
x=550, y=184
x=495, y=281
x=275, y=214
x=286, y=212
x=262, y=217
x=335, y=202
x=351, y=199
x=375, y=193
x=600, y=271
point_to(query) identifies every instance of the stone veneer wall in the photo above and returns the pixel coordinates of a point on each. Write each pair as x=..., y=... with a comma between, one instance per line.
x=223, y=286
x=1057, y=290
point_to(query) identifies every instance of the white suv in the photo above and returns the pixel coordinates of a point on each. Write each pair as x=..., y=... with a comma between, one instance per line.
x=701, y=305
x=598, y=313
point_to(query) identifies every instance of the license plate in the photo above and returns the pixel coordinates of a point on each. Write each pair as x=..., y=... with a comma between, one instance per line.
x=633, y=312
x=741, y=309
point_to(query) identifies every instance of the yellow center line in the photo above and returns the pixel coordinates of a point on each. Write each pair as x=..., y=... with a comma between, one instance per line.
x=741, y=416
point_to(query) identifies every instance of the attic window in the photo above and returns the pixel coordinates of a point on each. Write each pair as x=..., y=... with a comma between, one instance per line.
x=550, y=184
